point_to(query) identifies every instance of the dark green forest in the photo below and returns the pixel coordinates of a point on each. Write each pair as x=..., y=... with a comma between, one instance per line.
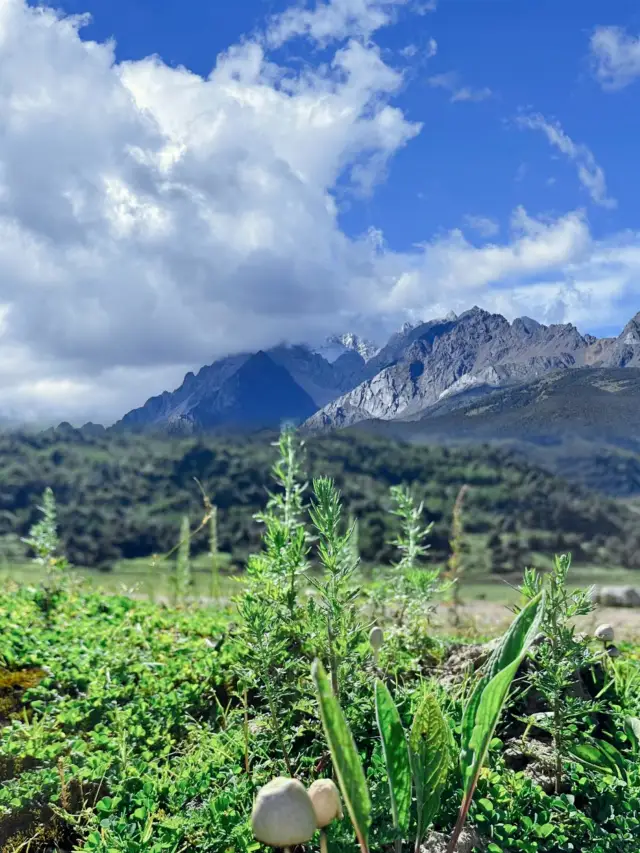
x=122, y=496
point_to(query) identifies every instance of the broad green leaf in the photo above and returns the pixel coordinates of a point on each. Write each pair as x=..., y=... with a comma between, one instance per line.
x=344, y=754
x=632, y=728
x=430, y=747
x=396, y=757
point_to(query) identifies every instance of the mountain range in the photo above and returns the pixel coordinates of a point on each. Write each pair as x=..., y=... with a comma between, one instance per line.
x=433, y=370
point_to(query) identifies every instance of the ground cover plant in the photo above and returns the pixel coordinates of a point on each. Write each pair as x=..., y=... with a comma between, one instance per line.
x=305, y=716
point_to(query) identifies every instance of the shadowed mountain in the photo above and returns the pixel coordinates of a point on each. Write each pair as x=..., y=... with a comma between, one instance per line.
x=257, y=394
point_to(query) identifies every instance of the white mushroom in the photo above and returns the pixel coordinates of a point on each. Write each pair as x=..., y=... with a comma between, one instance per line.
x=283, y=814
x=326, y=802
x=604, y=633
x=376, y=639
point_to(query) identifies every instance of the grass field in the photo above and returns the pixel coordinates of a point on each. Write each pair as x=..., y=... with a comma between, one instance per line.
x=142, y=579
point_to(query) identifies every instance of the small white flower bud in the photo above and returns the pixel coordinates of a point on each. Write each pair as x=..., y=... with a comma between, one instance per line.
x=283, y=814
x=326, y=802
x=376, y=638
x=604, y=633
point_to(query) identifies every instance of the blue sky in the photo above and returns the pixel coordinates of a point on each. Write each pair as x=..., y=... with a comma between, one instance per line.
x=183, y=180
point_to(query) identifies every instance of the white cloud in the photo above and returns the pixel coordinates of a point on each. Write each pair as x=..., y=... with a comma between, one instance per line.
x=590, y=174
x=616, y=57
x=426, y=6
x=412, y=50
x=333, y=19
x=450, y=81
x=152, y=220
x=484, y=225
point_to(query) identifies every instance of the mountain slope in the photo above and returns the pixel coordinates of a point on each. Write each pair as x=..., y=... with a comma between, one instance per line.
x=594, y=403
x=351, y=381
x=583, y=424
x=475, y=349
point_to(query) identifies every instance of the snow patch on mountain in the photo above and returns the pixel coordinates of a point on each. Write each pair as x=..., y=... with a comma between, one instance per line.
x=337, y=345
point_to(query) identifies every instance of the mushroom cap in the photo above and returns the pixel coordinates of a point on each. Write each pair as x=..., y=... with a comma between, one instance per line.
x=326, y=801
x=605, y=633
x=283, y=814
x=614, y=652
x=376, y=638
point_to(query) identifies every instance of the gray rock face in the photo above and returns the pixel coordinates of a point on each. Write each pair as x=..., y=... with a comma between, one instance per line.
x=419, y=367
x=624, y=351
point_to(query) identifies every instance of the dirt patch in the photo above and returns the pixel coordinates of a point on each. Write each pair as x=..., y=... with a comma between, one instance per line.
x=488, y=619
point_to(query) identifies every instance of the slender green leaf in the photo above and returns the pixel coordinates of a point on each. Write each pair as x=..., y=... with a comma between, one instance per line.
x=599, y=756
x=430, y=746
x=344, y=754
x=512, y=649
x=487, y=714
x=483, y=710
x=518, y=636
x=396, y=757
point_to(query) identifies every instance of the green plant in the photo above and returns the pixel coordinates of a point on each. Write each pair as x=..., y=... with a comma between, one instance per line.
x=337, y=595
x=411, y=587
x=183, y=562
x=43, y=540
x=214, y=554
x=346, y=760
x=430, y=746
x=485, y=704
x=397, y=761
x=455, y=563
x=561, y=659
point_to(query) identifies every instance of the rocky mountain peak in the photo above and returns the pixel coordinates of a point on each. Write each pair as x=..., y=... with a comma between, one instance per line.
x=337, y=345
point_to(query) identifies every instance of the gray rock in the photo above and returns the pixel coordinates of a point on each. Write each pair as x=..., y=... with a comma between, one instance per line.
x=616, y=596
x=468, y=842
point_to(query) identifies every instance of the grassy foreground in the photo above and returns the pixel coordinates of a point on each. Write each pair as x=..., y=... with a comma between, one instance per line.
x=131, y=726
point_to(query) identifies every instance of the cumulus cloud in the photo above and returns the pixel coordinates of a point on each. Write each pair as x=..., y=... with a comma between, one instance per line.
x=616, y=57
x=590, y=174
x=450, y=81
x=152, y=220
x=333, y=19
x=484, y=225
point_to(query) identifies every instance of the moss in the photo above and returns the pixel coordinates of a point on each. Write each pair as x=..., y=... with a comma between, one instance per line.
x=13, y=685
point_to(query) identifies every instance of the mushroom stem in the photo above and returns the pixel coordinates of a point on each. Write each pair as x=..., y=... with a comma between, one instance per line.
x=324, y=847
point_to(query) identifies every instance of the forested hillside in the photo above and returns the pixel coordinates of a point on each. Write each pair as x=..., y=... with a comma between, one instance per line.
x=123, y=496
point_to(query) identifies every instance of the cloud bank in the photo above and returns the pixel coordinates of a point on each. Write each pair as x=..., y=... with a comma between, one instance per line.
x=152, y=220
